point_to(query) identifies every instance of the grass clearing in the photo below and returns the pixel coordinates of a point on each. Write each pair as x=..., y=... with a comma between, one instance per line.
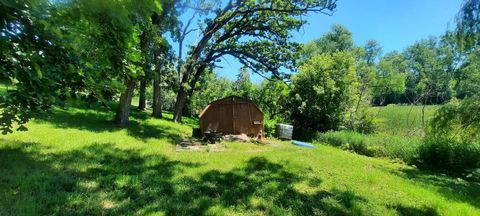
x=78, y=163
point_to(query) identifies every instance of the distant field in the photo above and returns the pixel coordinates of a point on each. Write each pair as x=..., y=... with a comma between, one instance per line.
x=402, y=119
x=78, y=163
x=398, y=136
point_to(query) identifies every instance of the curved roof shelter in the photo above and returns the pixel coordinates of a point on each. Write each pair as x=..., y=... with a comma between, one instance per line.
x=232, y=115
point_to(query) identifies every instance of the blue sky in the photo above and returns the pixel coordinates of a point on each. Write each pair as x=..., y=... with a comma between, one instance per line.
x=395, y=24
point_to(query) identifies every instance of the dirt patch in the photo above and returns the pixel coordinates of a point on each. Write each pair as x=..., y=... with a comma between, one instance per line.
x=195, y=145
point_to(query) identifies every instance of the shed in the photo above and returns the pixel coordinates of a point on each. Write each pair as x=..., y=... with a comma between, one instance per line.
x=232, y=115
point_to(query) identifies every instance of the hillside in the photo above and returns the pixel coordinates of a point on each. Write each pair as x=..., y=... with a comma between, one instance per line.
x=76, y=162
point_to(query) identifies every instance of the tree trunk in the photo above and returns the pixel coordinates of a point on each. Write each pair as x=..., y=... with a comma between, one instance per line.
x=179, y=104
x=123, y=110
x=183, y=94
x=157, y=99
x=142, y=102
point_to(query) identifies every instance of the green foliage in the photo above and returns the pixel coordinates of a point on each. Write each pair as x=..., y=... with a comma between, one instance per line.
x=430, y=69
x=322, y=91
x=390, y=79
x=402, y=120
x=374, y=145
x=337, y=39
x=363, y=121
x=31, y=49
x=210, y=88
x=467, y=24
x=272, y=98
x=453, y=140
x=468, y=77
x=398, y=134
x=243, y=86
x=53, y=50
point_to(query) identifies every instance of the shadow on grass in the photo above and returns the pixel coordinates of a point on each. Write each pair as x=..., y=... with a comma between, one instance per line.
x=449, y=187
x=103, y=180
x=101, y=121
x=409, y=211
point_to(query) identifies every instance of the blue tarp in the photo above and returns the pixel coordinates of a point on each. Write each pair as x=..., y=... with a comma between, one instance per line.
x=303, y=144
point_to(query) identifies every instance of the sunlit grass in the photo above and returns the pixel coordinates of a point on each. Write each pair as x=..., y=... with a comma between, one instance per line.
x=77, y=162
x=403, y=119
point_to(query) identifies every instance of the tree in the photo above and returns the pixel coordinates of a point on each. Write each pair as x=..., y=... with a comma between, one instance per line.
x=338, y=38
x=390, y=78
x=248, y=31
x=322, y=91
x=53, y=50
x=31, y=49
x=430, y=72
x=212, y=88
x=272, y=98
x=452, y=140
x=468, y=24
x=468, y=76
x=243, y=86
x=373, y=50
x=365, y=77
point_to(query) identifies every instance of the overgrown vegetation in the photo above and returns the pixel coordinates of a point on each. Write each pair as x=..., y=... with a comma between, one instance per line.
x=452, y=143
x=399, y=134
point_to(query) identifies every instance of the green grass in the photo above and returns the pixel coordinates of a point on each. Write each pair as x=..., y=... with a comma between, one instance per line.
x=403, y=120
x=78, y=163
x=398, y=135
x=374, y=145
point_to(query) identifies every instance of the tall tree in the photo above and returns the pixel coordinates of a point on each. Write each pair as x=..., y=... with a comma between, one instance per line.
x=323, y=91
x=468, y=24
x=390, y=78
x=373, y=51
x=430, y=71
x=248, y=31
x=337, y=39
x=243, y=86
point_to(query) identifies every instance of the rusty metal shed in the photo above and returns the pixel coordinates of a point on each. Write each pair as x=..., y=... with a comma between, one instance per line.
x=233, y=115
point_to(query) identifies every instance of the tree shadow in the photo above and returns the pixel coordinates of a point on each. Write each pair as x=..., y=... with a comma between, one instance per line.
x=449, y=187
x=101, y=179
x=413, y=211
x=259, y=187
x=96, y=180
x=100, y=121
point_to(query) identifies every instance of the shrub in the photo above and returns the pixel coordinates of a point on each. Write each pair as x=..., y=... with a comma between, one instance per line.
x=269, y=128
x=450, y=155
x=452, y=143
x=363, y=121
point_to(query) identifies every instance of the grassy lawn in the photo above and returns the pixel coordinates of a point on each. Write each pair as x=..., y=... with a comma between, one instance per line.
x=78, y=163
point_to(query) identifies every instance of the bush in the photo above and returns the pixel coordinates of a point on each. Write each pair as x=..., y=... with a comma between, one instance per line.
x=452, y=143
x=450, y=156
x=363, y=121
x=269, y=127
